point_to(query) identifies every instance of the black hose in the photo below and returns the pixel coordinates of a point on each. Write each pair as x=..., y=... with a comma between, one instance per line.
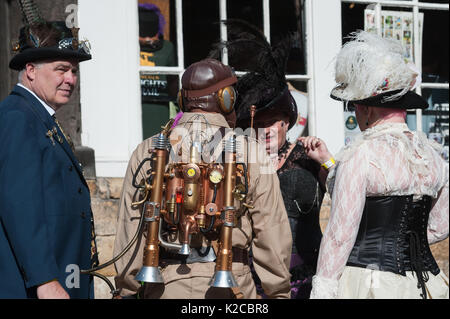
x=93, y=270
x=211, y=224
x=245, y=177
x=214, y=194
x=137, y=172
x=112, y=261
x=114, y=291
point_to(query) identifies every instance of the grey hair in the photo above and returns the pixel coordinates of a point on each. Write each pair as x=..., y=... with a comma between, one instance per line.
x=37, y=65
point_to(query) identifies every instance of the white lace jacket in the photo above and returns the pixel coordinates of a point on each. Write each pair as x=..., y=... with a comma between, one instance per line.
x=387, y=159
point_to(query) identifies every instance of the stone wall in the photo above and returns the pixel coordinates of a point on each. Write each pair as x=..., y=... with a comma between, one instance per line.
x=105, y=193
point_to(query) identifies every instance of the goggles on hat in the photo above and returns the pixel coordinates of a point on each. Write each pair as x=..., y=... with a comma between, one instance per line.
x=69, y=43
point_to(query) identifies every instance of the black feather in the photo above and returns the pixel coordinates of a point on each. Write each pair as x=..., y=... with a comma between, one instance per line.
x=249, y=51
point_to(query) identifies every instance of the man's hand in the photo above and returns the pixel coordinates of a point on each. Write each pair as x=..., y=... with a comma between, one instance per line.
x=52, y=290
x=315, y=148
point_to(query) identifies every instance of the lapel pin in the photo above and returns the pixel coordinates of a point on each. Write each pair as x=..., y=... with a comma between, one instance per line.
x=49, y=134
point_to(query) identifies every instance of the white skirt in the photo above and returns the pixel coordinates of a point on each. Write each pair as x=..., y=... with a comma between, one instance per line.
x=364, y=283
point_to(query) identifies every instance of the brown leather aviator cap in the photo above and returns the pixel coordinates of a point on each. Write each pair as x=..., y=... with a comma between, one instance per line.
x=200, y=83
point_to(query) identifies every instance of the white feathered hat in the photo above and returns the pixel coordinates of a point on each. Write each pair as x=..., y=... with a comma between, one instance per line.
x=371, y=70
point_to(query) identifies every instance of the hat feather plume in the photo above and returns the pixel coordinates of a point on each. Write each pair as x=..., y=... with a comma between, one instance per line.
x=369, y=64
x=40, y=32
x=249, y=51
x=30, y=12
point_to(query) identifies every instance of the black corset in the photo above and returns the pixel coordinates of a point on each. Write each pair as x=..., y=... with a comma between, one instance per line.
x=392, y=237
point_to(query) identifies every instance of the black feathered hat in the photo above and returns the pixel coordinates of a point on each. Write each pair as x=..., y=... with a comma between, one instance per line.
x=264, y=85
x=41, y=40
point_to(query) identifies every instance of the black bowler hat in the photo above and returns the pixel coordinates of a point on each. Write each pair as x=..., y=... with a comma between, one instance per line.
x=48, y=40
x=374, y=71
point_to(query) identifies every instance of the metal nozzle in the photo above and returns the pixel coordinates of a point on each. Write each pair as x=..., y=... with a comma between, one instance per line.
x=160, y=142
x=184, y=250
x=223, y=279
x=149, y=274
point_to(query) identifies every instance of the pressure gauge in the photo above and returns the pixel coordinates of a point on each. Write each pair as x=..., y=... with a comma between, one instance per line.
x=215, y=176
x=191, y=172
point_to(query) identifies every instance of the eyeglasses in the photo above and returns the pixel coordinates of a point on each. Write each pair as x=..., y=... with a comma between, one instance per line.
x=84, y=46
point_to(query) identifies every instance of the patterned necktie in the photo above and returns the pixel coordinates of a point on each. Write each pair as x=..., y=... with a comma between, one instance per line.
x=68, y=139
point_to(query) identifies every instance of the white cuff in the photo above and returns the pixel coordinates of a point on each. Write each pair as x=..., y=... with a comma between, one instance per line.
x=324, y=288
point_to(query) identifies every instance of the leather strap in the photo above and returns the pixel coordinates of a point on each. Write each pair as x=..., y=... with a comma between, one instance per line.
x=240, y=255
x=206, y=91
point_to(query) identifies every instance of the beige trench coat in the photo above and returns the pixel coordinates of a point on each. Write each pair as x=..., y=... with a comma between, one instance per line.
x=264, y=228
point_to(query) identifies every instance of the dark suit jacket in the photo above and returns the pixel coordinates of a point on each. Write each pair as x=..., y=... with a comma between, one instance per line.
x=45, y=213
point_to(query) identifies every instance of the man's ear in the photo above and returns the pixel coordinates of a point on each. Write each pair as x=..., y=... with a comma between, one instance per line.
x=30, y=71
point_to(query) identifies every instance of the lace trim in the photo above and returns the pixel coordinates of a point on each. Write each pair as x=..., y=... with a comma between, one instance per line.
x=324, y=288
x=413, y=146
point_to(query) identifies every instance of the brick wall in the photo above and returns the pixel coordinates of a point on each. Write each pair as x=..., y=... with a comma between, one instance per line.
x=105, y=193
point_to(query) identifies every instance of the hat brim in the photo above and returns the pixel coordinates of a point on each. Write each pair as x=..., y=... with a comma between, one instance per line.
x=410, y=100
x=19, y=61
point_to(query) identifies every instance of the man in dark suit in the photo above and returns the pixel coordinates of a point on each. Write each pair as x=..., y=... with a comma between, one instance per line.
x=45, y=214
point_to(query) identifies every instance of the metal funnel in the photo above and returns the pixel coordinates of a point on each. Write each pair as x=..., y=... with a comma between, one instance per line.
x=184, y=250
x=223, y=279
x=149, y=274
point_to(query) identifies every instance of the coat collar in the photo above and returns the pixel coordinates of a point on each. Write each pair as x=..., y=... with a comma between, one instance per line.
x=46, y=106
x=35, y=105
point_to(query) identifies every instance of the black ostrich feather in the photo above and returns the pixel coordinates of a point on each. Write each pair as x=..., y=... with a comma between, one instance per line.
x=265, y=64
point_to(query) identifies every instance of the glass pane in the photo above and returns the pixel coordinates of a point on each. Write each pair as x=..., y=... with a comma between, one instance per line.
x=435, y=119
x=288, y=17
x=435, y=46
x=300, y=94
x=352, y=18
x=355, y=17
x=201, y=29
x=247, y=10
x=157, y=38
x=158, y=92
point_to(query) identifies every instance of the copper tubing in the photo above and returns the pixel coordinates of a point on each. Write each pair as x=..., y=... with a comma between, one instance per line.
x=225, y=256
x=189, y=222
x=252, y=116
x=151, y=249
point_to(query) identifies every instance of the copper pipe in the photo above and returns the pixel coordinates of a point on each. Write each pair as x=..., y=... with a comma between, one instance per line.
x=189, y=222
x=225, y=256
x=151, y=249
x=252, y=116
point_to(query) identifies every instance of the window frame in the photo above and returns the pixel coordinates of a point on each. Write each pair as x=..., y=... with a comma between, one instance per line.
x=179, y=70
